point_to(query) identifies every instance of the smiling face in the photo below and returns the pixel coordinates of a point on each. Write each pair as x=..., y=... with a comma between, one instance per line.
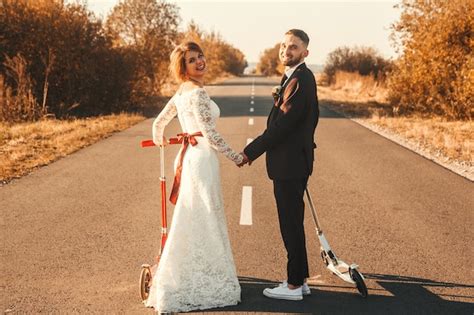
x=292, y=51
x=195, y=64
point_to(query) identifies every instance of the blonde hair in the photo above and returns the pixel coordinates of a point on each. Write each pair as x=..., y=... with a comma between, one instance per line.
x=177, y=61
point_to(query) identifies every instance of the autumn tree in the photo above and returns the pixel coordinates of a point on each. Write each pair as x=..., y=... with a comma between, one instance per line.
x=222, y=58
x=435, y=73
x=146, y=31
x=234, y=60
x=58, y=59
x=269, y=63
x=71, y=66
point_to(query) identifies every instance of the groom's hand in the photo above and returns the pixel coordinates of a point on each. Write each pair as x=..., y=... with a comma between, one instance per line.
x=248, y=160
x=245, y=160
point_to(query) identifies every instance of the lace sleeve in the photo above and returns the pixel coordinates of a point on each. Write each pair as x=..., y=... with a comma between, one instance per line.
x=165, y=116
x=201, y=106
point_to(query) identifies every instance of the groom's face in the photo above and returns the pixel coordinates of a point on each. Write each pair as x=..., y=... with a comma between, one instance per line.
x=292, y=50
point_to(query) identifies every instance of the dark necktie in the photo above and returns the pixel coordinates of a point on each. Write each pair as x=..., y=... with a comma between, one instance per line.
x=283, y=80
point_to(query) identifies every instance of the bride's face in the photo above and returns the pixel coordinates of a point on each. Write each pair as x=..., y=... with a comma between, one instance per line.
x=195, y=64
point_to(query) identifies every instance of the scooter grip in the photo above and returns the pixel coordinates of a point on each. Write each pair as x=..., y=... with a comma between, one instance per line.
x=147, y=143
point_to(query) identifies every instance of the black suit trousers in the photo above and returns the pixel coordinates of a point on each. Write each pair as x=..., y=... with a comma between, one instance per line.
x=289, y=196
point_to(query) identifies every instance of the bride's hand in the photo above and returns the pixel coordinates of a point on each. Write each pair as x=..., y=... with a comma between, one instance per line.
x=163, y=143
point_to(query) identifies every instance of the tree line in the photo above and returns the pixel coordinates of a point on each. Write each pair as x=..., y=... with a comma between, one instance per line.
x=58, y=59
x=434, y=73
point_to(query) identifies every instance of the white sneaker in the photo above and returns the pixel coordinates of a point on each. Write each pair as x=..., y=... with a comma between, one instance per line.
x=284, y=293
x=305, y=288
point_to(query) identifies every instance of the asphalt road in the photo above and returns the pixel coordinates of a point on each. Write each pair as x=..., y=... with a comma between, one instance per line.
x=75, y=233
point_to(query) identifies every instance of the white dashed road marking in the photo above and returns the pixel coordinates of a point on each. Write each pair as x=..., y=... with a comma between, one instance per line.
x=246, y=208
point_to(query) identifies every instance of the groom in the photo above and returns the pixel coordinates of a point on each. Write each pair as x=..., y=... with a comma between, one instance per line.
x=289, y=144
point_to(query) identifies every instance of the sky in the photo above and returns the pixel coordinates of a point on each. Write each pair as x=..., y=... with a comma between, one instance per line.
x=253, y=26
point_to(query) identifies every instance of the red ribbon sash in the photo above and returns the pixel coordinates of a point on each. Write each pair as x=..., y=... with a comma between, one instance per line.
x=185, y=139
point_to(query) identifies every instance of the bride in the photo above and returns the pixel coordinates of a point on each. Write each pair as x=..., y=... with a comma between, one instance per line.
x=196, y=270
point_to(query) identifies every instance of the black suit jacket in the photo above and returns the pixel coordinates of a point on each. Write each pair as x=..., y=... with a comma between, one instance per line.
x=289, y=137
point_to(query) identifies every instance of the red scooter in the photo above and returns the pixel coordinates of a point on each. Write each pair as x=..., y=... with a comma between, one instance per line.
x=147, y=272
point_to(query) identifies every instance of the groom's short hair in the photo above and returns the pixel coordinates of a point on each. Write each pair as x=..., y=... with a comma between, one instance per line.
x=300, y=34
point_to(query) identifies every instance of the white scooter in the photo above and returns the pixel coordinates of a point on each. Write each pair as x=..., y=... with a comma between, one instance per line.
x=335, y=265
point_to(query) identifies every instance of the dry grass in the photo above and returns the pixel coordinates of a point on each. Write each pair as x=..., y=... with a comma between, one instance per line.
x=26, y=146
x=353, y=87
x=450, y=142
x=452, y=139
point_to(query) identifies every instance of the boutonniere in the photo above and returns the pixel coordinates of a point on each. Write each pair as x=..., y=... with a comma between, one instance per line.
x=276, y=91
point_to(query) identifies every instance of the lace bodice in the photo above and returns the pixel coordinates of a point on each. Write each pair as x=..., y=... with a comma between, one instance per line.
x=196, y=112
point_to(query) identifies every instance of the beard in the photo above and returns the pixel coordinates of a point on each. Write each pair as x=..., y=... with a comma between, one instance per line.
x=293, y=61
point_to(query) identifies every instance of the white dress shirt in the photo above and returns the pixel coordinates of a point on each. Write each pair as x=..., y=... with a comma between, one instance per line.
x=289, y=72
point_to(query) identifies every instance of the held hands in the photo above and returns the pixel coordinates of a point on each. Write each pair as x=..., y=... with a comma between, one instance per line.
x=245, y=160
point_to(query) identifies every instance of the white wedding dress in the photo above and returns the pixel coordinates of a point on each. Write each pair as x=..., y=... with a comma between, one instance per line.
x=196, y=269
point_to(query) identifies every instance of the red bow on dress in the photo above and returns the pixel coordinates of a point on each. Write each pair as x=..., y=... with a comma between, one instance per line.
x=185, y=139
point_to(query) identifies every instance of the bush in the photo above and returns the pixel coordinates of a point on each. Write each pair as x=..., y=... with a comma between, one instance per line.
x=362, y=60
x=435, y=74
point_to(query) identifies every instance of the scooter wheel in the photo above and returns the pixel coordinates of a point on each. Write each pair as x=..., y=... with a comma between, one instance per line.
x=356, y=276
x=145, y=282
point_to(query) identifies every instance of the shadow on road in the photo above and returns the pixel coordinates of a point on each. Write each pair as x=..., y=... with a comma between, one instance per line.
x=245, y=83
x=239, y=106
x=244, y=80
x=232, y=106
x=407, y=295
x=359, y=109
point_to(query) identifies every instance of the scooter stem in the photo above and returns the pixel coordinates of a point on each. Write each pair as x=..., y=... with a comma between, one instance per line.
x=313, y=212
x=164, y=221
x=162, y=161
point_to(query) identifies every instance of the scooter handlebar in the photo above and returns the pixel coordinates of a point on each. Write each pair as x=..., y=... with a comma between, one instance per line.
x=150, y=143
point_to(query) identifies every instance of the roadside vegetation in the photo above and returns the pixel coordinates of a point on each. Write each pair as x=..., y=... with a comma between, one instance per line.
x=59, y=60
x=60, y=65
x=26, y=146
x=425, y=96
